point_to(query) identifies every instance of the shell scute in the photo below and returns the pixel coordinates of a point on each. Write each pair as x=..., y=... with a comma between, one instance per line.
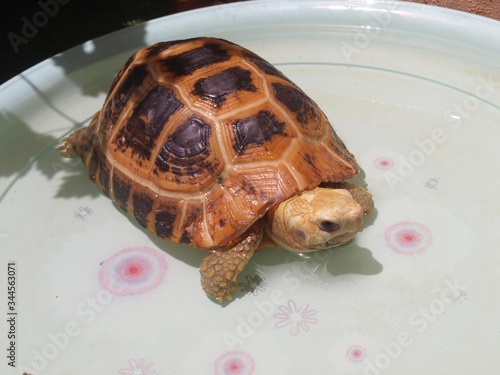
x=126, y=85
x=256, y=130
x=190, y=61
x=217, y=87
x=167, y=216
x=142, y=203
x=189, y=158
x=147, y=121
x=121, y=189
x=302, y=109
x=158, y=48
x=188, y=140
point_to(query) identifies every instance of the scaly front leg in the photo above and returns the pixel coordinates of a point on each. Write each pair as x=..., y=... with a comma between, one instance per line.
x=220, y=268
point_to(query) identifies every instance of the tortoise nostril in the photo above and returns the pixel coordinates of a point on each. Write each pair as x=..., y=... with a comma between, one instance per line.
x=328, y=226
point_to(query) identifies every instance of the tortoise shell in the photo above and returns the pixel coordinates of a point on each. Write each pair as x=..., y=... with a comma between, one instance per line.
x=198, y=138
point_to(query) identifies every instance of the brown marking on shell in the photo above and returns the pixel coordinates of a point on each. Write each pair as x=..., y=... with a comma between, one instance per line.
x=183, y=146
x=166, y=222
x=216, y=88
x=265, y=66
x=220, y=93
x=190, y=61
x=142, y=205
x=256, y=130
x=158, y=48
x=104, y=174
x=301, y=108
x=204, y=173
x=258, y=134
x=122, y=185
x=119, y=76
x=147, y=121
x=189, y=158
x=126, y=86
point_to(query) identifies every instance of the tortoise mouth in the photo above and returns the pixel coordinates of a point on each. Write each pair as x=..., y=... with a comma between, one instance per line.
x=334, y=242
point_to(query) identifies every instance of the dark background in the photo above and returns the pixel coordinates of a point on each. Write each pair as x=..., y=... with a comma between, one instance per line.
x=73, y=22
x=77, y=21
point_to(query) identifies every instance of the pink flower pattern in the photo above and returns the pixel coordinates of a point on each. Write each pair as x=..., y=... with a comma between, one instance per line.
x=298, y=318
x=139, y=367
x=431, y=183
x=234, y=363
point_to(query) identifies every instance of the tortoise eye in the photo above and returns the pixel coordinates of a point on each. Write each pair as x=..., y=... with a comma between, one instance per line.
x=328, y=226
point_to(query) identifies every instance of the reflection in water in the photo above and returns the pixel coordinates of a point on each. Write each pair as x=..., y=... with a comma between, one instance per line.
x=39, y=151
x=98, y=50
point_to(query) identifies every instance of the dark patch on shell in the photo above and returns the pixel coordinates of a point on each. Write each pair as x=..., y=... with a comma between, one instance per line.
x=134, y=78
x=296, y=101
x=265, y=66
x=186, y=148
x=160, y=47
x=310, y=161
x=148, y=120
x=189, y=139
x=164, y=221
x=256, y=130
x=188, y=62
x=216, y=88
x=142, y=204
x=122, y=71
x=248, y=186
x=121, y=189
x=104, y=171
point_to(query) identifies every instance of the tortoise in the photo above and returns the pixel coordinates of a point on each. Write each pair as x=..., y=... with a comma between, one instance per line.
x=205, y=143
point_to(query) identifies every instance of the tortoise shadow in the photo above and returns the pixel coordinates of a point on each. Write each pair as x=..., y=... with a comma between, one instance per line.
x=347, y=259
x=328, y=264
x=187, y=254
x=353, y=259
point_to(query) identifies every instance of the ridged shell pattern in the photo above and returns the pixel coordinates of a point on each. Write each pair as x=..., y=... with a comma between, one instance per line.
x=198, y=138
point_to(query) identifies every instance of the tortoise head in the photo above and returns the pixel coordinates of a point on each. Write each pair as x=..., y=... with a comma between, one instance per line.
x=315, y=220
